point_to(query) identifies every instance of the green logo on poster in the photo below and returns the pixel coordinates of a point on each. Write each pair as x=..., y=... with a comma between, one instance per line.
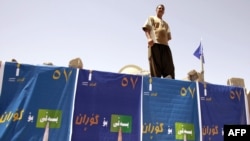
x=184, y=131
x=121, y=122
x=53, y=117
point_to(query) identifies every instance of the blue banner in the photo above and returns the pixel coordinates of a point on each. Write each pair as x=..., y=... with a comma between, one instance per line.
x=170, y=110
x=107, y=107
x=36, y=103
x=220, y=105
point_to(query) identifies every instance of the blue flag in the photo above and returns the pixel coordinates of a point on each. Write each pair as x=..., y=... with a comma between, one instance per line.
x=199, y=52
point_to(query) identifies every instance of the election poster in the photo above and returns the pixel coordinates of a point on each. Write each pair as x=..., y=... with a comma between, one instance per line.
x=220, y=105
x=170, y=110
x=107, y=107
x=36, y=102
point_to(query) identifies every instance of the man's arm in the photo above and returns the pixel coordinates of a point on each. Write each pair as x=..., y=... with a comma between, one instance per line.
x=150, y=40
x=147, y=29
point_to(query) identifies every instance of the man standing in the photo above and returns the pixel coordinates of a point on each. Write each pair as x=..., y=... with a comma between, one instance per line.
x=159, y=53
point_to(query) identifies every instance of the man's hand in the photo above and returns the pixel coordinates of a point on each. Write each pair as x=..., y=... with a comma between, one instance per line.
x=150, y=42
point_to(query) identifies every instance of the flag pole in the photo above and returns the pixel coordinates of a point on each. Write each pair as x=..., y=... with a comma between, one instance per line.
x=202, y=61
x=202, y=69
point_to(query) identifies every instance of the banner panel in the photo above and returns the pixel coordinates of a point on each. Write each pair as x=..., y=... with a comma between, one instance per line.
x=220, y=105
x=107, y=107
x=170, y=110
x=36, y=103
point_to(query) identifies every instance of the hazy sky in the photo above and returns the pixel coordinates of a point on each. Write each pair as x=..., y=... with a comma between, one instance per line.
x=107, y=34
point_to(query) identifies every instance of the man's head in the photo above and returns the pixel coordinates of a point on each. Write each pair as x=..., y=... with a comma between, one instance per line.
x=160, y=10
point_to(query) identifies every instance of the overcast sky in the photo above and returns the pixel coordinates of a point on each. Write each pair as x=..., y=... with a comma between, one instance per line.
x=107, y=34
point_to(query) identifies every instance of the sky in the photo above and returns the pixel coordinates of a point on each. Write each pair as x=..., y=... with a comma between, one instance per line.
x=107, y=34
